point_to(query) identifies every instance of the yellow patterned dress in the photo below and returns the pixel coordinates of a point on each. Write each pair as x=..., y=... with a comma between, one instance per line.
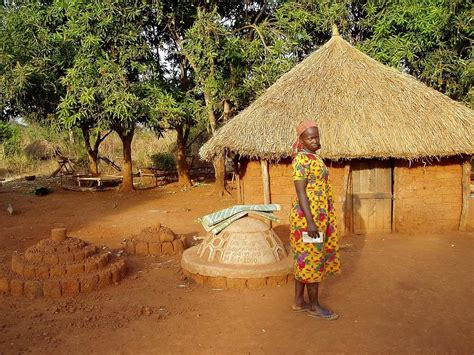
x=313, y=261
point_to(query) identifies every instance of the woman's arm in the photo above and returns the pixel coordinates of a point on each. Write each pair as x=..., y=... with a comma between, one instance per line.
x=300, y=186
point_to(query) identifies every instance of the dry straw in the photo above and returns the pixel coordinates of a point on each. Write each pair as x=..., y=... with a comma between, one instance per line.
x=364, y=109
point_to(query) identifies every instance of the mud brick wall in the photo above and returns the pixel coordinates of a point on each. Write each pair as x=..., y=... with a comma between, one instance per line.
x=282, y=190
x=428, y=197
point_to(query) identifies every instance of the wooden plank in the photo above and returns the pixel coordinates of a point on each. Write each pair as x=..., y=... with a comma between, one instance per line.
x=466, y=193
x=374, y=195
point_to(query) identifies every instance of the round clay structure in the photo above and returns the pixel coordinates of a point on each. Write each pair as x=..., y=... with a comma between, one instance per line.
x=158, y=240
x=61, y=266
x=247, y=253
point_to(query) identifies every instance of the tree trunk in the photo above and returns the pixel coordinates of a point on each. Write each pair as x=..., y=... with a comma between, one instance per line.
x=93, y=162
x=181, y=163
x=219, y=163
x=127, y=182
x=92, y=152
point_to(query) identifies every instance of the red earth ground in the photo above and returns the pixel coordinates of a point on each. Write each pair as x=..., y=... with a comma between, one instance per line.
x=396, y=294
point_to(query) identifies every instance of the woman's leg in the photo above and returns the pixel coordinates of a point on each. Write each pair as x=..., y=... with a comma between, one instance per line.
x=299, y=294
x=315, y=308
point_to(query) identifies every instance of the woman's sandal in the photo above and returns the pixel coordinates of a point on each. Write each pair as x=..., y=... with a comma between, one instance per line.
x=296, y=308
x=328, y=316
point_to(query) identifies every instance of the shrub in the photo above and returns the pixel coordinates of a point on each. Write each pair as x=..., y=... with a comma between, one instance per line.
x=163, y=161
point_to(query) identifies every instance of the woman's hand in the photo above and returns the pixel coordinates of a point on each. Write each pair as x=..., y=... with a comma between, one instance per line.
x=312, y=229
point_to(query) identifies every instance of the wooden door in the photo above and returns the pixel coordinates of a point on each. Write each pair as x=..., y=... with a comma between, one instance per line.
x=371, y=196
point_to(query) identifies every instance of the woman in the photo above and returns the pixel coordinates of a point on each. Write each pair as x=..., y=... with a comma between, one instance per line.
x=312, y=213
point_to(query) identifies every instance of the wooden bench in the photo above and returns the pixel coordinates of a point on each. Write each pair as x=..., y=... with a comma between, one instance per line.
x=100, y=180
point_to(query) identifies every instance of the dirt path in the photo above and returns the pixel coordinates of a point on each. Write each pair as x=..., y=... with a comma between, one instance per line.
x=397, y=293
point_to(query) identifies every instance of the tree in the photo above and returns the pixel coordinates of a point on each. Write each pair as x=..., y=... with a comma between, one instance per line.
x=111, y=75
x=33, y=58
x=430, y=40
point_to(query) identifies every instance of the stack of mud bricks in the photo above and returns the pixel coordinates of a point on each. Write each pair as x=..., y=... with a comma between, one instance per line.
x=159, y=240
x=238, y=283
x=61, y=266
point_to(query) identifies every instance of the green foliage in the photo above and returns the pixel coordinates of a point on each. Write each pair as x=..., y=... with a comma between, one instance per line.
x=430, y=39
x=163, y=161
x=6, y=131
x=33, y=56
x=10, y=138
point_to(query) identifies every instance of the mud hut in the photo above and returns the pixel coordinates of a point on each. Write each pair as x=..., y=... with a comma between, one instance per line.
x=398, y=151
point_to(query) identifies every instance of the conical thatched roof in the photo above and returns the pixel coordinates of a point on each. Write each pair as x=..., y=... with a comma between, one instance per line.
x=364, y=109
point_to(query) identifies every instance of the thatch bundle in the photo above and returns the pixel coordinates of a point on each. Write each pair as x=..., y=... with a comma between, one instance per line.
x=364, y=109
x=41, y=149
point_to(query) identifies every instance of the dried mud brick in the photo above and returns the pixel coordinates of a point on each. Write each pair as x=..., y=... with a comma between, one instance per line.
x=141, y=248
x=69, y=287
x=16, y=287
x=167, y=248
x=33, y=289
x=51, y=288
x=89, y=283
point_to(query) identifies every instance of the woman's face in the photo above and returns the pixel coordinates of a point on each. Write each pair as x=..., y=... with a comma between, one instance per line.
x=310, y=139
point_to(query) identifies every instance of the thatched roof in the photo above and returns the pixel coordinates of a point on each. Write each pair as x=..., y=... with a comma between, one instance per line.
x=41, y=149
x=364, y=109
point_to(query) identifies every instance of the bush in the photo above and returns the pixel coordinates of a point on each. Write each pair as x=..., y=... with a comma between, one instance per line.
x=163, y=161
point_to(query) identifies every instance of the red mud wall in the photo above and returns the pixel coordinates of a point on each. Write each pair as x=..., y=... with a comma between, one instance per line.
x=282, y=190
x=428, y=197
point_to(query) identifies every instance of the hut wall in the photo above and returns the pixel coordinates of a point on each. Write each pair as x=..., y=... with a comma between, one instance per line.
x=428, y=197
x=282, y=190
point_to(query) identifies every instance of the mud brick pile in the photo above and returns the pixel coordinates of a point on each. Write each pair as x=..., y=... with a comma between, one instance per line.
x=157, y=240
x=61, y=266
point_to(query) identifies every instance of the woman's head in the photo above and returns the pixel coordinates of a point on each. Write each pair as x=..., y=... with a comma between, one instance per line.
x=307, y=137
x=310, y=139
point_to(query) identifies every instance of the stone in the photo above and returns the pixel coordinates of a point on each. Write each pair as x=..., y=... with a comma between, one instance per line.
x=141, y=248
x=33, y=289
x=69, y=287
x=58, y=234
x=51, y=288
x=16, y=287
x=154, y=248
x=167, y=248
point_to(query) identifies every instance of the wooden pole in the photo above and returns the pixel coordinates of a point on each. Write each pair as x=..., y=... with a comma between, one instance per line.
x=345, y=198
x=394, y=196
x=466, y=192
x=265, y=181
